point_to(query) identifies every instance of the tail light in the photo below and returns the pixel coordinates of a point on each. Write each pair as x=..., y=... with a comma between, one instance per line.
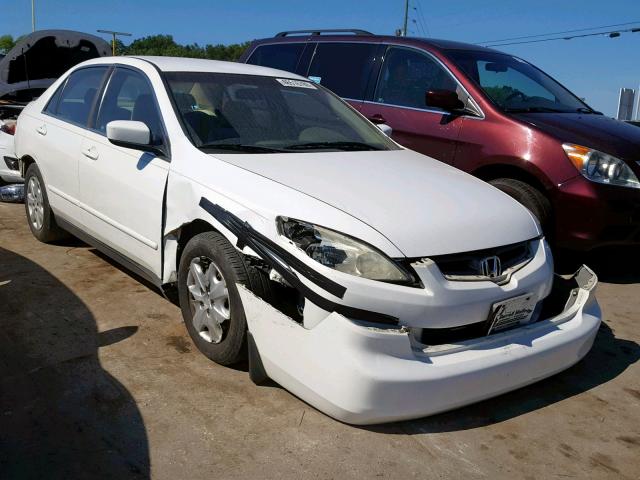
x=9, y=128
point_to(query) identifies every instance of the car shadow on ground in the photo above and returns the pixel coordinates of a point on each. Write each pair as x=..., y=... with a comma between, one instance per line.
x=609, y=357
x=61, y=414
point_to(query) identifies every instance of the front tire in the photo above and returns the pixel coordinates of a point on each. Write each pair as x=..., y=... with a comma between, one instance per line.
x=210, y=267
x=40, y=217
x=528, y=196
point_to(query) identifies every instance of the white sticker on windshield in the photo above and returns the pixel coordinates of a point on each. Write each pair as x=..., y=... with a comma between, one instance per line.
x=295, y=83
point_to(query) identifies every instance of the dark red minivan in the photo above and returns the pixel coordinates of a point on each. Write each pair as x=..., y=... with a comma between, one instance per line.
x=491, y=114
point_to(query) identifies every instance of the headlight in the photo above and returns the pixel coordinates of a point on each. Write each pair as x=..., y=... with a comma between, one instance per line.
x=601, y=167
x=341, y=252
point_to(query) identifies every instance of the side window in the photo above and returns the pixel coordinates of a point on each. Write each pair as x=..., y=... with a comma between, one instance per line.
x=129, y=96
x=343, y=68
x=52, y=104
x=283, y=56
x=407, y=75
x=74, y=102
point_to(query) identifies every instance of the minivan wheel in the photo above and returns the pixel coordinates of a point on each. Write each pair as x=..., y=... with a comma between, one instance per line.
x=41, y=220
x=210, y=267
x=528, y=196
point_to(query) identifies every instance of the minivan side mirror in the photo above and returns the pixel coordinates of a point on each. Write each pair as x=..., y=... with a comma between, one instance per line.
x=444, y=99
x=131, y=134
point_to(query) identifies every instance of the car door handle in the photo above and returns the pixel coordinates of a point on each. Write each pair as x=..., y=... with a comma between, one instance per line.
x=377, y=119
x=42, y=130
x=91, y=153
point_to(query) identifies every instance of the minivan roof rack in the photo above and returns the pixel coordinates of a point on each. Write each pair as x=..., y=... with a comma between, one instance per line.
x=321, y=31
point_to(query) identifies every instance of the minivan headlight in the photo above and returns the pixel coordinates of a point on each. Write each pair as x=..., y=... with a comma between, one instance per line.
x=601, y=167
x=341, y=252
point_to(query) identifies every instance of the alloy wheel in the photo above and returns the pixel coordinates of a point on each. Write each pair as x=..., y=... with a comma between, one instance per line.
x=35, y=203
x=208, y=299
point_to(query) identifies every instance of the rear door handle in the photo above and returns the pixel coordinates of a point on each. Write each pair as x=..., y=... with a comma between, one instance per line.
x=42, y=130
x=377, y=119
x=91, y=153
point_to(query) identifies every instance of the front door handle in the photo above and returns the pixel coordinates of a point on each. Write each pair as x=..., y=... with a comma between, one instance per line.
x=378, y=119
x=91, y=153
x=42, y=130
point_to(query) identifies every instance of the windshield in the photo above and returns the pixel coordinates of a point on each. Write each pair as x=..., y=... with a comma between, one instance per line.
x=255, y=114
x=515, y=85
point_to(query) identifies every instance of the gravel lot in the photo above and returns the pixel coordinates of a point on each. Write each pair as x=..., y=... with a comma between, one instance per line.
x=98, y=378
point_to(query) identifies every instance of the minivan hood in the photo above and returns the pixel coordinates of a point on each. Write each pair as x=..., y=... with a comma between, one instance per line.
x=421, y=205
x=595, y=131
x=41, y=57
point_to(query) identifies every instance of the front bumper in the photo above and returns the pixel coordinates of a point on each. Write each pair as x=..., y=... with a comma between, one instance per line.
x=366, y=375
x=591, y=215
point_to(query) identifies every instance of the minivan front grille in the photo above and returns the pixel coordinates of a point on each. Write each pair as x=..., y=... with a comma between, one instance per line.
x=493, y=264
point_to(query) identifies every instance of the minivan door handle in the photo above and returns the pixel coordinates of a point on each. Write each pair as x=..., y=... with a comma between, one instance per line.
x=42, y=130
x=91, y=153
x=378, y=119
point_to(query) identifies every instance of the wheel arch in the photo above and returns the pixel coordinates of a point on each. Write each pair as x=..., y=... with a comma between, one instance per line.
x=505, y=170
x=24, y=163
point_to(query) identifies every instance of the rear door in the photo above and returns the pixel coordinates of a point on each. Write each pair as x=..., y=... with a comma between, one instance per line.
x=345, y=68
x=122, y=189
x=58, y=135
x=399, y=101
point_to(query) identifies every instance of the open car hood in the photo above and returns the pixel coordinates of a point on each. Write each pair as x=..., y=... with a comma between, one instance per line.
x=421, y=205
x=40, y=58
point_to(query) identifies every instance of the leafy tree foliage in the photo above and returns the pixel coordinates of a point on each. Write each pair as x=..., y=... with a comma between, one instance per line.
x=165, y=45
x=6, y=43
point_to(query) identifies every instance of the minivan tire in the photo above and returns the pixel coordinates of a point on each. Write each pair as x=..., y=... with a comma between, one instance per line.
x=528, y=196
x=46, y=229
x=212, y=247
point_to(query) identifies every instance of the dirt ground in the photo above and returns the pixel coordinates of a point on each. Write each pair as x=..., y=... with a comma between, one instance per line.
x=98, y=379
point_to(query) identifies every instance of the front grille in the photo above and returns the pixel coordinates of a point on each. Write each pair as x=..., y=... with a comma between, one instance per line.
x=472, y=266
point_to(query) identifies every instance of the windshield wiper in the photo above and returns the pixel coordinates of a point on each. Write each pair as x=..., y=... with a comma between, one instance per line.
x=239, y=147
x=347, y=146
x=588, y=110
x=535, y=110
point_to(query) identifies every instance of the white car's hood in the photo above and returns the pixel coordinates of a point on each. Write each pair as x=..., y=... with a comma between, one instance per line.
x=421, y=205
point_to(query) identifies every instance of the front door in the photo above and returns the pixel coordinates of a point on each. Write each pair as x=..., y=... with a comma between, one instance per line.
x=122, y=189
x=399, y=101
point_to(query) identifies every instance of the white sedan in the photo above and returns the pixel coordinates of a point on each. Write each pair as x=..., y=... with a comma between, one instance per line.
x=371, y=281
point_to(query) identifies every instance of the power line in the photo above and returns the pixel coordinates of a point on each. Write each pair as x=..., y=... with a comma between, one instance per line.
x=560, y=33
x=426, y=25
x=611, y=33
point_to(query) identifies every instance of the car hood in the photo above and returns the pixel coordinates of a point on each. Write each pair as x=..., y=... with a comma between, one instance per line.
x=595, y=131
x=419, y=204
x=41, y=57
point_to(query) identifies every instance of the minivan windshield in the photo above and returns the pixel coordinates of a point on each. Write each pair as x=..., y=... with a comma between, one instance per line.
x=235, y=113
x=515, y=85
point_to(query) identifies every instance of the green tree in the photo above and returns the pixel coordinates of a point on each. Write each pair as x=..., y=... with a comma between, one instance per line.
x=7, y=42
x=165, y=45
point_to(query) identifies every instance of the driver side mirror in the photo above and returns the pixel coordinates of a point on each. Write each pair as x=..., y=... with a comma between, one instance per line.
x=131, y=134
x=444, y=99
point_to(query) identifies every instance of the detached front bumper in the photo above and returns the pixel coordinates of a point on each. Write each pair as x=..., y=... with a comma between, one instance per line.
x=365, y=375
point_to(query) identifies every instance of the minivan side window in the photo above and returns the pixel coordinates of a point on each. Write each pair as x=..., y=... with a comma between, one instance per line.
x=407, y=75
x=343, y=68
x=77, y=97
x=129, y=96
x=283, y=56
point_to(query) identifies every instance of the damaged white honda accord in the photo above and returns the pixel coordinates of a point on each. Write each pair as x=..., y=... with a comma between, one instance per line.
x=373, y=282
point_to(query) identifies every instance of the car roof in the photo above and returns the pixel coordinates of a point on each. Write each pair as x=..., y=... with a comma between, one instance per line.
x=180, y=64
x=431, y=42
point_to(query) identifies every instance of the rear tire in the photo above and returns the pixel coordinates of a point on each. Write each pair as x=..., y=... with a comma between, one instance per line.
x=210, y=267
x=528, y=196
x=40, y=217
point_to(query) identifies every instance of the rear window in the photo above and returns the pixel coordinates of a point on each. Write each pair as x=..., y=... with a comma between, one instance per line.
x=73, y=101
x=343, y=68
x=283, y=56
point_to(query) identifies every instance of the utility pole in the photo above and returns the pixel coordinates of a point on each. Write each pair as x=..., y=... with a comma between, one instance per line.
x=406, y=17
x=113, y=40
x=33, y=15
